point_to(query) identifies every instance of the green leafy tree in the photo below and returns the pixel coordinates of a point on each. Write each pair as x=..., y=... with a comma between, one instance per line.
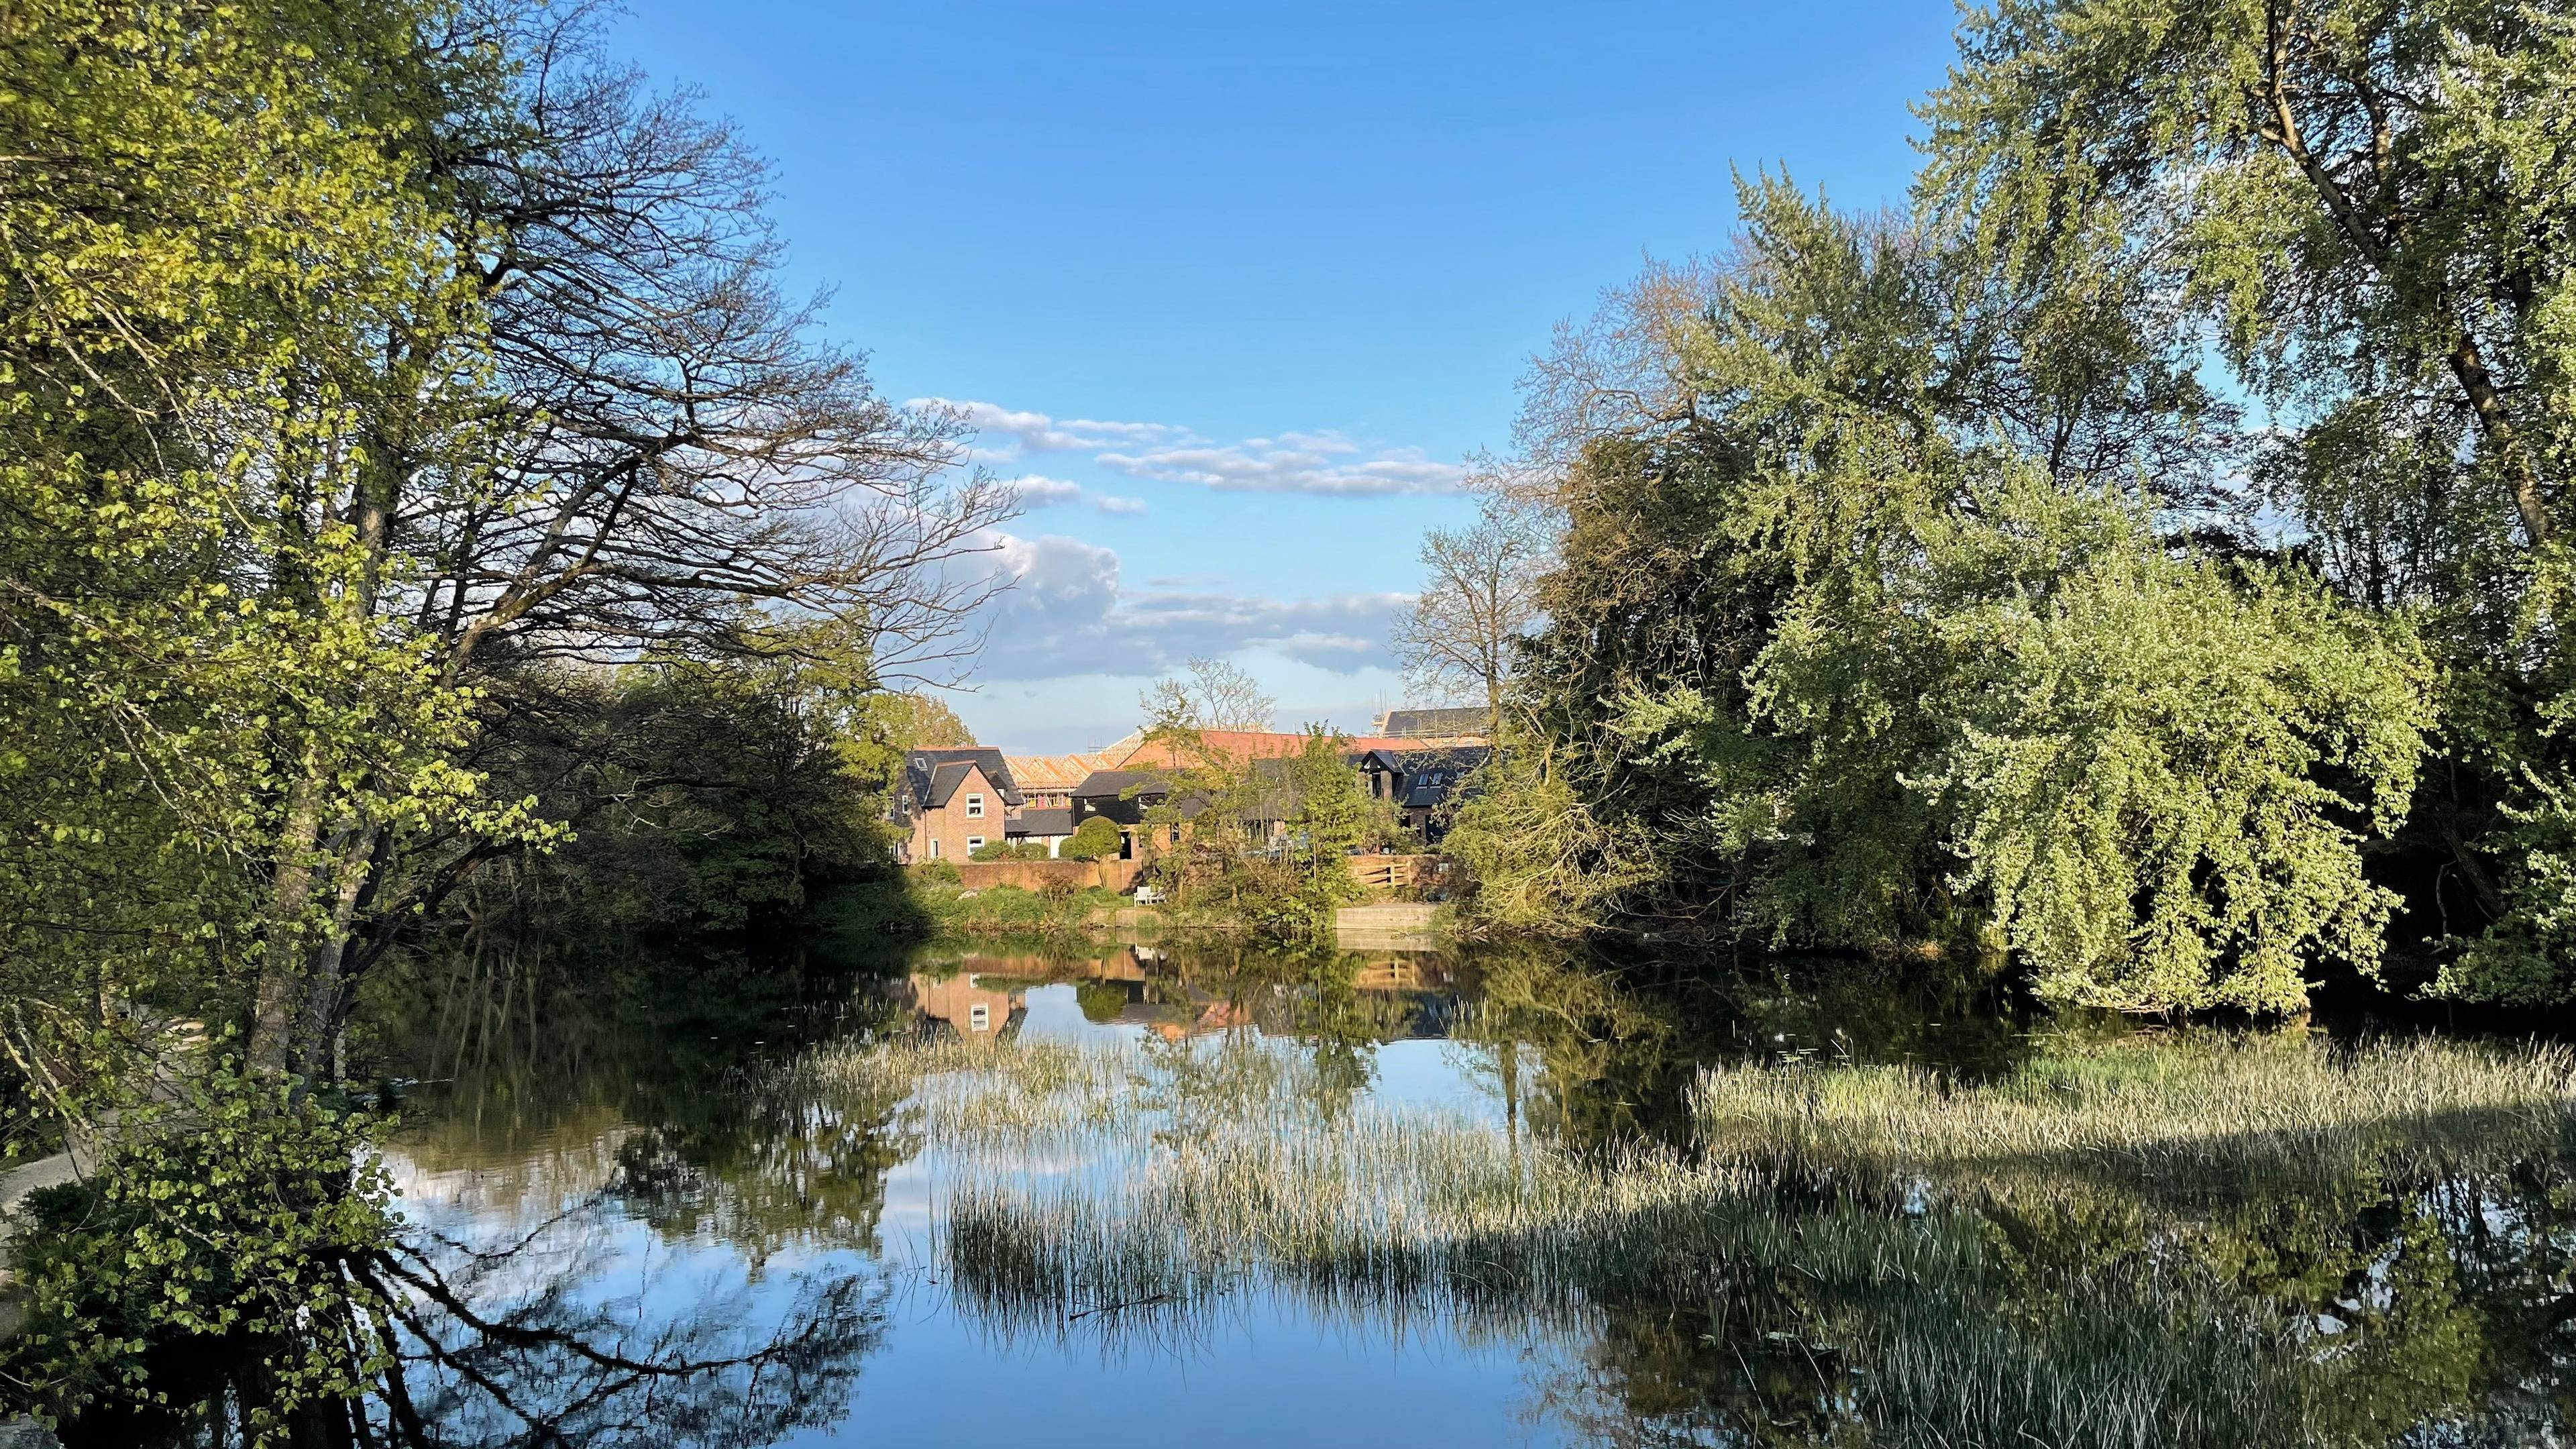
x=1334, y=815
x=200, y=693
x=1858, y=657
x=343, y=419
x=709, y=790
x=925, y=722
x=2369, y=207
x=1094, y=839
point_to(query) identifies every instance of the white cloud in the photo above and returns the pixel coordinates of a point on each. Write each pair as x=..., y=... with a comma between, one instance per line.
x=1038, y=433
x=1294, y=463
x=1036, y=491
x=1069, y=613
x=1325, y=464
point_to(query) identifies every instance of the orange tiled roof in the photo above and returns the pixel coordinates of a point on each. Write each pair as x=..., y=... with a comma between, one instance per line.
x=1269, y=745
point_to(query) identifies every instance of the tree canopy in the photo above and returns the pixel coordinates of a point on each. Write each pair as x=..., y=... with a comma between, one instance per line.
x=1885, y=627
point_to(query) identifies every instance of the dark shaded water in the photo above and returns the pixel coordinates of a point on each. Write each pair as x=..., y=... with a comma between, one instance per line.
x=637, y=1231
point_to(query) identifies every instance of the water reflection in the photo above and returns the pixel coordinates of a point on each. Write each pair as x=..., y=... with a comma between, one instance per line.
x=1368, y=1197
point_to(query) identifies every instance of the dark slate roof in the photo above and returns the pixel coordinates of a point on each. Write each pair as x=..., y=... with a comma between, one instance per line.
x=1105, y=793
x=931, y=776
x=1422, y=792
x=1434, y=722
x=1040, y=822
x=1100, y=783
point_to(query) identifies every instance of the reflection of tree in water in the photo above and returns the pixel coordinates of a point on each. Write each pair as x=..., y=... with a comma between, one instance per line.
x=620, y=1088
x=515, y=1033
x=517, y=1346
x=2406, y=1309
x=522, y=1342
x=1591, y=1051
x=781, y=1173
x=2052, y=1296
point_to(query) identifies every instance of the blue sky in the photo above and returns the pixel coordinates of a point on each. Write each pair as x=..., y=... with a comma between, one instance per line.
x=1237, y=287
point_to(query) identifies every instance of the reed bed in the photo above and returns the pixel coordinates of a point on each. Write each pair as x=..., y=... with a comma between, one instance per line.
x=2196, y=1116
x=1144, y=1190
x=1075, y=1180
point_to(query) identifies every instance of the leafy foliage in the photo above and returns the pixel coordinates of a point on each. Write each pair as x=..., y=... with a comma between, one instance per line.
x=1334, y=814
x=925, y=722
x=355, y=452
x=1094, y=839
x=230, y=1215
x=1858, y=657
x=2369, y=208
x=708, y=792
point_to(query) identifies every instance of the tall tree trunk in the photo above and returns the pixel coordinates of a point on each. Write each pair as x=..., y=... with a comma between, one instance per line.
x=282, y=972
x=353, y=869
x=2470, y=367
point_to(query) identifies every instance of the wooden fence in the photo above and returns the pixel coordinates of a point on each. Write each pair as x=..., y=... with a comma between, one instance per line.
x=1391, y=873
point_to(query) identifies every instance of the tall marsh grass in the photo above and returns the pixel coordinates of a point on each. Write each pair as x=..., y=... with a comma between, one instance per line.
x=1826, y=1247
x=2207, y=1115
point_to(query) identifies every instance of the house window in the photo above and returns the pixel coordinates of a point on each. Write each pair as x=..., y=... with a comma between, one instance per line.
x=979, y=1017
x=934, y=848
x=974, y=842
x=974, y=807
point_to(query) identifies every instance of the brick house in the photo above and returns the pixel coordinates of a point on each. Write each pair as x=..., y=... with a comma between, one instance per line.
x=952, y=802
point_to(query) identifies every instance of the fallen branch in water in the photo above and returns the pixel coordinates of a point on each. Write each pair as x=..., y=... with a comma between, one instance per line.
x=1115, y=1307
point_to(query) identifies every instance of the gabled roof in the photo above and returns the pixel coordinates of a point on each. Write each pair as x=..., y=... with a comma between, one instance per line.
x=1420, y=755
x=1112, y=783
x=931, y=777
x=1423, y=792
x=1125, y=795
x=1428, y=775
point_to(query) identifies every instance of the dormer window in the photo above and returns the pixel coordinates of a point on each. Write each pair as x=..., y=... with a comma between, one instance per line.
x=974, y=807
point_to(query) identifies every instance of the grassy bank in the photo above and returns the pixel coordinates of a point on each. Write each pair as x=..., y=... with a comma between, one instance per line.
x=919, y=906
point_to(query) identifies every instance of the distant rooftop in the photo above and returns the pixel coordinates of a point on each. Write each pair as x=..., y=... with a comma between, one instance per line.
x=1240, y=745
x=1414, y=724
x=1058, y=772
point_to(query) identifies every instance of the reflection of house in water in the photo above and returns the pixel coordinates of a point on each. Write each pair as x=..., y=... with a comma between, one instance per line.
x=1176, y=994
x=959, y=1003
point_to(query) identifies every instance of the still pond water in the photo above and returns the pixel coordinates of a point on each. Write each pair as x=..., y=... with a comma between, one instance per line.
x=977, y=1196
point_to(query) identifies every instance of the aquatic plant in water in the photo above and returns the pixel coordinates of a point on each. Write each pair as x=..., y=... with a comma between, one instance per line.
x=2200, y=1240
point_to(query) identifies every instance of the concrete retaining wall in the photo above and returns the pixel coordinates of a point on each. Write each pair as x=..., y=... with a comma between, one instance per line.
x=1397, y=926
